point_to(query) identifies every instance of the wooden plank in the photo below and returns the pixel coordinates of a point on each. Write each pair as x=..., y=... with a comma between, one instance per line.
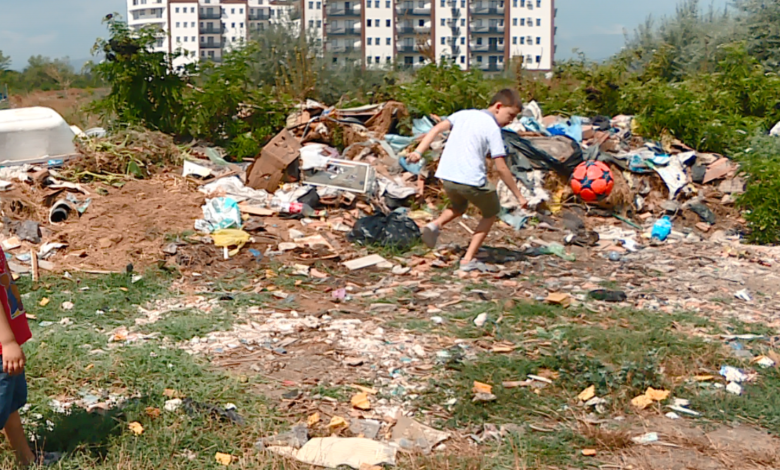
x=255, y=210
x=364, y=262
x=34, y=262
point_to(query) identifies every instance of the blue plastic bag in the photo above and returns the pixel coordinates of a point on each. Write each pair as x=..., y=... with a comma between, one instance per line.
x=571, y=128
x=662, y=228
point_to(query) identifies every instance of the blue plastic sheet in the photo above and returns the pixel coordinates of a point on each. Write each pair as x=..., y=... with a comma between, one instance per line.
x=400, y=142
x=515, y=220
x=532, y=125
x=571, y=128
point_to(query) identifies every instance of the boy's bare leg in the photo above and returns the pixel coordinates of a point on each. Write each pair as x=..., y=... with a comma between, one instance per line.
x=446, y=217
x=14, y=432
x=480, y=234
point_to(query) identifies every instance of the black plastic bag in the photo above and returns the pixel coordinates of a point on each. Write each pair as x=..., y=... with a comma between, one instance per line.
x=394, y=230
x=524, y=155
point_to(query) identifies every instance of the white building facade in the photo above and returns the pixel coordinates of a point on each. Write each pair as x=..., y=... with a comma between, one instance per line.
x=484, y=34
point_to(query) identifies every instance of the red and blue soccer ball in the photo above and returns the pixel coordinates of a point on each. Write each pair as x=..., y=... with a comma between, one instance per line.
x=592, y=181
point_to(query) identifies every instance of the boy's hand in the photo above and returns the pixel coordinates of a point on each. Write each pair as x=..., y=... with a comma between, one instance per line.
x=13, y=358
x=413, y=157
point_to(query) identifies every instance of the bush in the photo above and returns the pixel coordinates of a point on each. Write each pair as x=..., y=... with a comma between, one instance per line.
x=444, y=89
x=761, y=200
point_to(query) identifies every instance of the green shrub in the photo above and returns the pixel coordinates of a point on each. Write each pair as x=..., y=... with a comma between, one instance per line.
x=761, y=200
x=444, y=89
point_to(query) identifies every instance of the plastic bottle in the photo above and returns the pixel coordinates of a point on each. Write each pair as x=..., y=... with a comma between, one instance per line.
x=662, y=228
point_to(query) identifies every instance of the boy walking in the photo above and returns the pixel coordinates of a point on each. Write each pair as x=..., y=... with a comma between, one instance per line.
x=14, y=332
x=462, y=168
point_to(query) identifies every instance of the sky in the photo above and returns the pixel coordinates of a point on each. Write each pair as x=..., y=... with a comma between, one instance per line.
x=68, y=28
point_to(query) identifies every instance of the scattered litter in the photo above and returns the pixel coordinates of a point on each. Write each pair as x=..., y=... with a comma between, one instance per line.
x=67, y=305
x=732, y=374
x=361, y=401
x=589, y=452
x=136, y=428
x=332, y=452
x=645, y=439
x=734, y=388
x=223, y=459
x=587, y=394
x=173, y=404
x=364, y=262
x=743, y=295
x=408, y=434
x=672, y=415
x=481, y=319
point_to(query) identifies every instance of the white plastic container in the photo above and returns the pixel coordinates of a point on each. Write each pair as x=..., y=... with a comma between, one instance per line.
x=29, y=135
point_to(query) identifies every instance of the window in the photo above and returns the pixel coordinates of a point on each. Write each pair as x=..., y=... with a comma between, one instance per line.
x=203, y=53
x=377, y=23
x=443, y=21
x=368, y=59
x=388, y=23
x=178, y=38
x=522, y=40
x=178, y=24
x=202, y=25
x=538, y=59
x=443, y=41
x=185, y=38
x=192, y=25
x=462, y=41
x=311, y=5
x=443, y=3
x=376, y=5
x=522, y=21
x=530, y=21
x=462, y=59
x=369, y=42
x=479, y=59
x=335, y=60
x=233, y=25
x=463, y=3
x=538, y=40
x=528, y=59
x=177, y=9
x=241, y=25
x=241, y=11
x=514, y=21
x=388, y=59
x=463, y=22
x=538, y=3
x=522, y=3
x=421, y=59
x=387, y=4
x=368, y=23
x=193, y=39
x=311, y=23
x=421, y=23
x=530, y=40
x=376, y=59
x=538, y=22
x=233, y=39
x=319, y=23
x=232, y=11
x=319, y=5
x=514, y=3
x=378, y=42
x=387, y=41
x=514, y=40
x=192, y=10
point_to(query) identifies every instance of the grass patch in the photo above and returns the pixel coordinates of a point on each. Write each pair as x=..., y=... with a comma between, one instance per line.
x=183, y=326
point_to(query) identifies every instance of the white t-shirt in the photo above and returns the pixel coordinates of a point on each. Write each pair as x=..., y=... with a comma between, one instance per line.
x=474, y=134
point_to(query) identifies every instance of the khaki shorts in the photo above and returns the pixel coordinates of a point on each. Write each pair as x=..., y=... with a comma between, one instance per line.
x=485, y=198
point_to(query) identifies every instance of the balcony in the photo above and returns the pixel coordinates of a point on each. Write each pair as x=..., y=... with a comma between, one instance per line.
x=488, y=67
x=262, y=15
x=213, y=15
x=486, y=47
x=212, y=30
x=455, y=31
x=455, y=13
x=342, y=31
x=341, y=49
x=212, y=45
x=407, y=48
x=343, y=12
x=487, y=11
x=414, y=11
x=414, y=30
x=487, y=30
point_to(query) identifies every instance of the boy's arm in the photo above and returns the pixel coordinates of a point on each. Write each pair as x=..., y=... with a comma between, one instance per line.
x=415, y=156
x=13, y=356
x=509, y=179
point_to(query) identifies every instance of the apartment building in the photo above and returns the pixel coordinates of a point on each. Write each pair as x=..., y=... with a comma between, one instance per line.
x=483, y=34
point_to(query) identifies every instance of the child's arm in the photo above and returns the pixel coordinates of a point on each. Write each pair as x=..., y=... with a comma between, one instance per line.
x=509, y=180
x=415, y=156
x=13, y=356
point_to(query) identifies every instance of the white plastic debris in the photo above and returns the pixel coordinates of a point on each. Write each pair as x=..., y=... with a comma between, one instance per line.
x=672, y=415
x=743, y=295
x=734, y=388
x=173, y=405
x=647, y=438
x=481, y=320
x=765, y=362
x=732, y=374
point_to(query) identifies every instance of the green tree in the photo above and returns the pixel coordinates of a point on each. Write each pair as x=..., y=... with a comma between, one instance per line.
x=5, y=62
